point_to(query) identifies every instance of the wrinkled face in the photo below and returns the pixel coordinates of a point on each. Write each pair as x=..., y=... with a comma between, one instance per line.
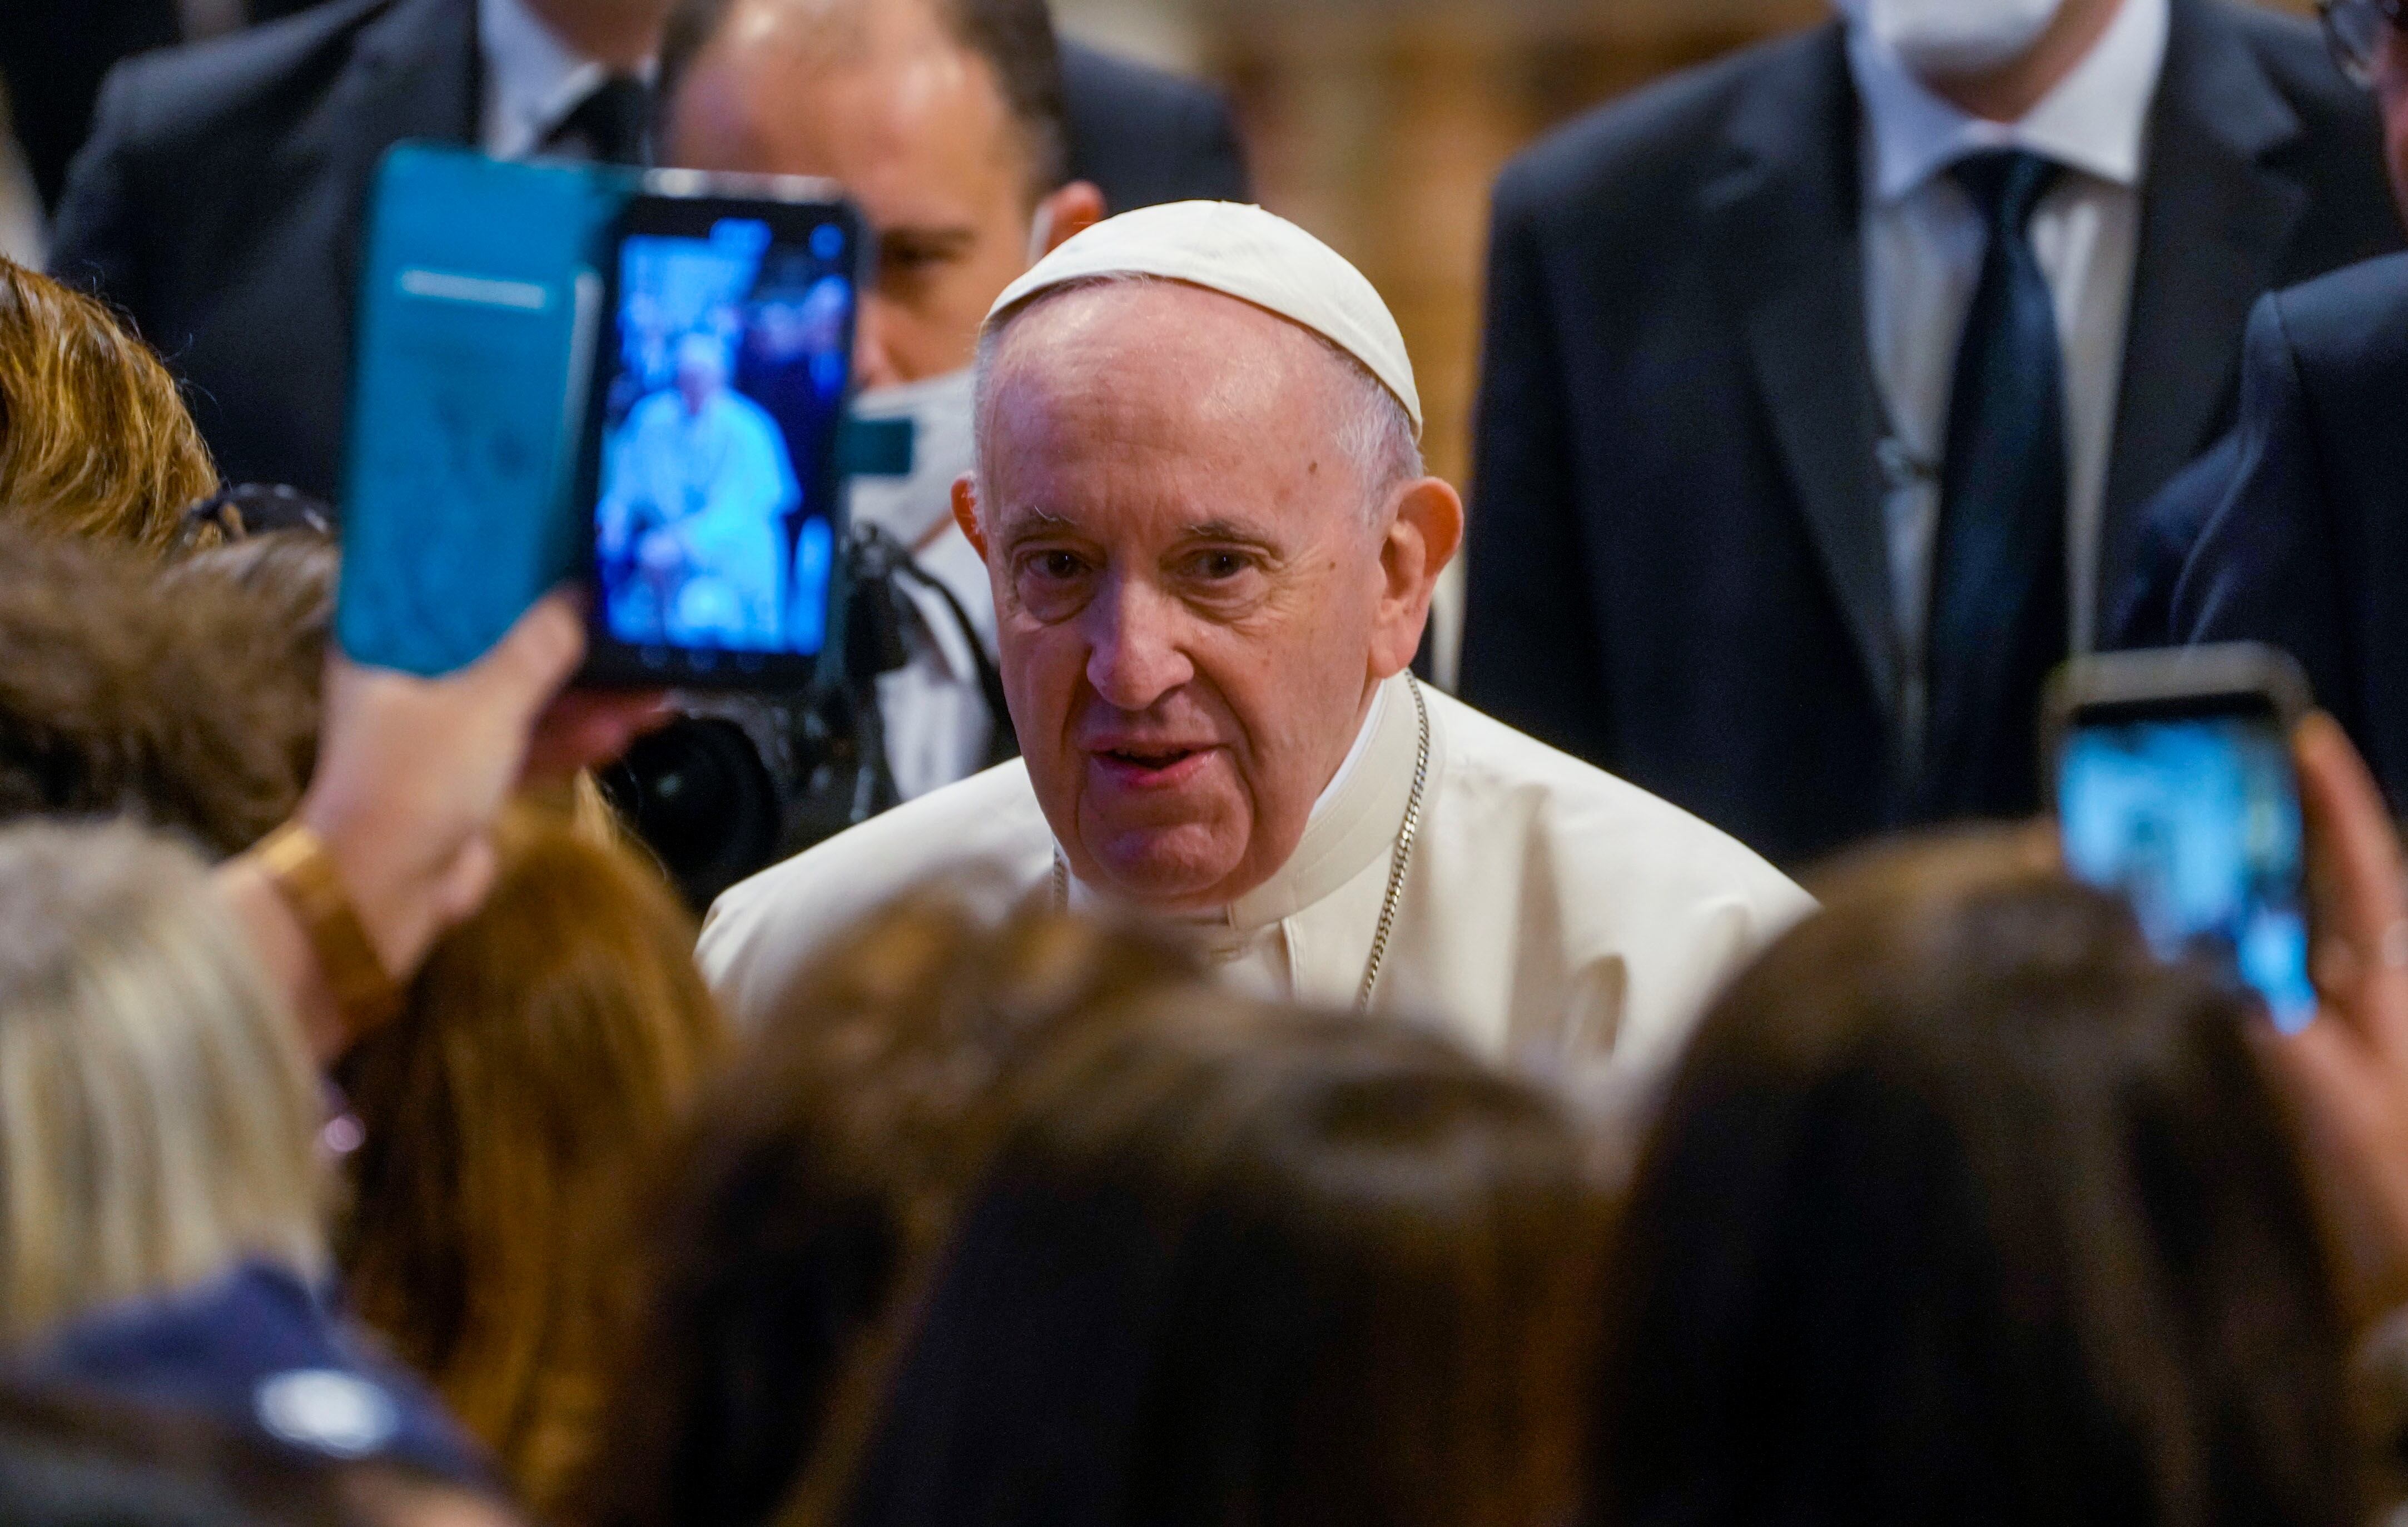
x=915, y=128
x=1190, y=587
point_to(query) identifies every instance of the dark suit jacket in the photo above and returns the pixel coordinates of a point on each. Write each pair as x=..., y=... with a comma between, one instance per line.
x=1678, y=564
x=221, y=198
x=2296, y=532
x=52, y=55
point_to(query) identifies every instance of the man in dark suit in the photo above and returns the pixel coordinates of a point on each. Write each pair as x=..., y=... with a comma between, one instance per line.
x=2294, y=530
x=1788, y=489
x=220, y=199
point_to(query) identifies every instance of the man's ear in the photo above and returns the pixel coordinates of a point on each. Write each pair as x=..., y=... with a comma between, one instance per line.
x=1424, y=536
x=966, y=511
x=1063, y=216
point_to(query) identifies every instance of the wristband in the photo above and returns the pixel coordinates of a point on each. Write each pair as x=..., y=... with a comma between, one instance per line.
x=304, y=875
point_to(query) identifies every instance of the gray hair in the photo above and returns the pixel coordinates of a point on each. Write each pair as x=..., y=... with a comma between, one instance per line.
x=1374, y=433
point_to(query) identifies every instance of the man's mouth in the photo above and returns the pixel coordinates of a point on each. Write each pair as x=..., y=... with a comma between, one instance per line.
x=1149, y=765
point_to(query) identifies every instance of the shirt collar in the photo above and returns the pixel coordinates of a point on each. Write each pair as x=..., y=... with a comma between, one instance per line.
x=2094, y=122
x=1354, y=822
x=533, y=80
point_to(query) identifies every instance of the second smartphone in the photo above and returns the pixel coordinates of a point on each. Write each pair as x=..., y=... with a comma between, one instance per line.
x=2175, y=787
x=712, y=498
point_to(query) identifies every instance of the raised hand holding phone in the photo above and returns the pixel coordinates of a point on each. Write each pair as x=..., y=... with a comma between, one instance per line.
x=2348, y=1072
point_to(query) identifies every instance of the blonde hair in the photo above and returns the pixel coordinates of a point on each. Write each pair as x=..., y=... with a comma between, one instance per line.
x=550, y=1045
x=157, y=1113
x=94, y=438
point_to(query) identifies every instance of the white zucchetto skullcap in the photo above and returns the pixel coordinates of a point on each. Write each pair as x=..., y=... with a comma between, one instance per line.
x=1243, y=252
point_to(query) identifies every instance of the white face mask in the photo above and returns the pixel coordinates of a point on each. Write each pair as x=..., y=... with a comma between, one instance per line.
x=1938, y=40
x=942, y=448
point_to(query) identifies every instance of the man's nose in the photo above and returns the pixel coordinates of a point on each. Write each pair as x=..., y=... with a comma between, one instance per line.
x=1132, y=652
x=872, y=365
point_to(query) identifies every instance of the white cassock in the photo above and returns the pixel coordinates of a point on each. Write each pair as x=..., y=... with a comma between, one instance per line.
x=1551, y=915
x=720, y=479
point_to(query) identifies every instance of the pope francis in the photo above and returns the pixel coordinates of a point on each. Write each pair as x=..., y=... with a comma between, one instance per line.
x=1200, y=500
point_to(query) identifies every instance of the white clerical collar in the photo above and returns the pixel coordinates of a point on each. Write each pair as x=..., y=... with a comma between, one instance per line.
x=533, y=80
x=1354, y=823
x=2096, y=120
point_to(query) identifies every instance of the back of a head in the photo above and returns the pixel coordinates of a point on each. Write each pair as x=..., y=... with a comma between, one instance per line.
x=1014, y=38
x=549, y=1049
x=1245, y=1265
x=94, y=439
x=157, y=1113
x=821, y=1166
x=1963, y=1207
x=179, y=699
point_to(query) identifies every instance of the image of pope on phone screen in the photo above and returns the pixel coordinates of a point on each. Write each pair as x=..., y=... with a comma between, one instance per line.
x=715, y=523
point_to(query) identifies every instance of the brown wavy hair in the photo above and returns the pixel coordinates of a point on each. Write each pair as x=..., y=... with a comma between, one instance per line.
x=94, y=438
x=817, y=1173
x=178, y=701
x=549, y=1046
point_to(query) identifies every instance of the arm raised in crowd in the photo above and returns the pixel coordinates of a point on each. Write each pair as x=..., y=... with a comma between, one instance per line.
x=2348, y=1071
x=412, y=774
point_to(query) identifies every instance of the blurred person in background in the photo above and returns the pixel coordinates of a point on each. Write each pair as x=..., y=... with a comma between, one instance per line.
x=819, y=1172
x=1959, y=284
x=54, y=52
x=1203, y=506
x=174, y=699
x=221, y=197
x=949, y=121
x=509, y=1118
x=1963, y=1207
x=2288, y=534
x=1240, y=1264
x=94, y=436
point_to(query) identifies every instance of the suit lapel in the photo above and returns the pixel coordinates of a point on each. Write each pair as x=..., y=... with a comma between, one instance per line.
x=2216, y=220
x=1781, y=218
x=413, y=73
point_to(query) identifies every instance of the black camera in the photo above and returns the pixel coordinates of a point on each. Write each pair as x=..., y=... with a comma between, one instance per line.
x=739, y=782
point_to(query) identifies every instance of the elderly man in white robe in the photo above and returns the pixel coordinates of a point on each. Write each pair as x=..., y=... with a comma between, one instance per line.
x=698, y=485
x=1201, y=503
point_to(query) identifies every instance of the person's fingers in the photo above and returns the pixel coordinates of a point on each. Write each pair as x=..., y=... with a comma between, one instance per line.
x=531, y=663
x=2361, y=902
x=586, y=729
x=2352, y=1135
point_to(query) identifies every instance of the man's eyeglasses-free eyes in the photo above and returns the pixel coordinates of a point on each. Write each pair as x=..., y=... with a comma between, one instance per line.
x=2355, y=30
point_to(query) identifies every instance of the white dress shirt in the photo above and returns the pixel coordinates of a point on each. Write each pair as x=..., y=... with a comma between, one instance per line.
x=533, y=80
x=1924, y=245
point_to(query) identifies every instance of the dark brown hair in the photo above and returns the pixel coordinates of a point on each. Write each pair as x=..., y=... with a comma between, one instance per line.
x=1242, y=1267
x=118, y=696
x=827, y=1160
x=548, y=1049
x=1015, y=37
x=94, y=439
x=1965, y=1209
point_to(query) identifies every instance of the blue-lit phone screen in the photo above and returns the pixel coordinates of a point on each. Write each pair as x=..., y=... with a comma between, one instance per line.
x=715, y=524
x=2197, y=822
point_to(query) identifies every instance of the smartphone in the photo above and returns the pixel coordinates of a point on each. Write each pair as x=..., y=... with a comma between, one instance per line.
x=479, y=304
x=2175, y=787
x=711, y=504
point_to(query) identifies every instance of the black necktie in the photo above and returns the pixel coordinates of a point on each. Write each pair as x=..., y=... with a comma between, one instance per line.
x=613, y=124
x=1998, y=618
